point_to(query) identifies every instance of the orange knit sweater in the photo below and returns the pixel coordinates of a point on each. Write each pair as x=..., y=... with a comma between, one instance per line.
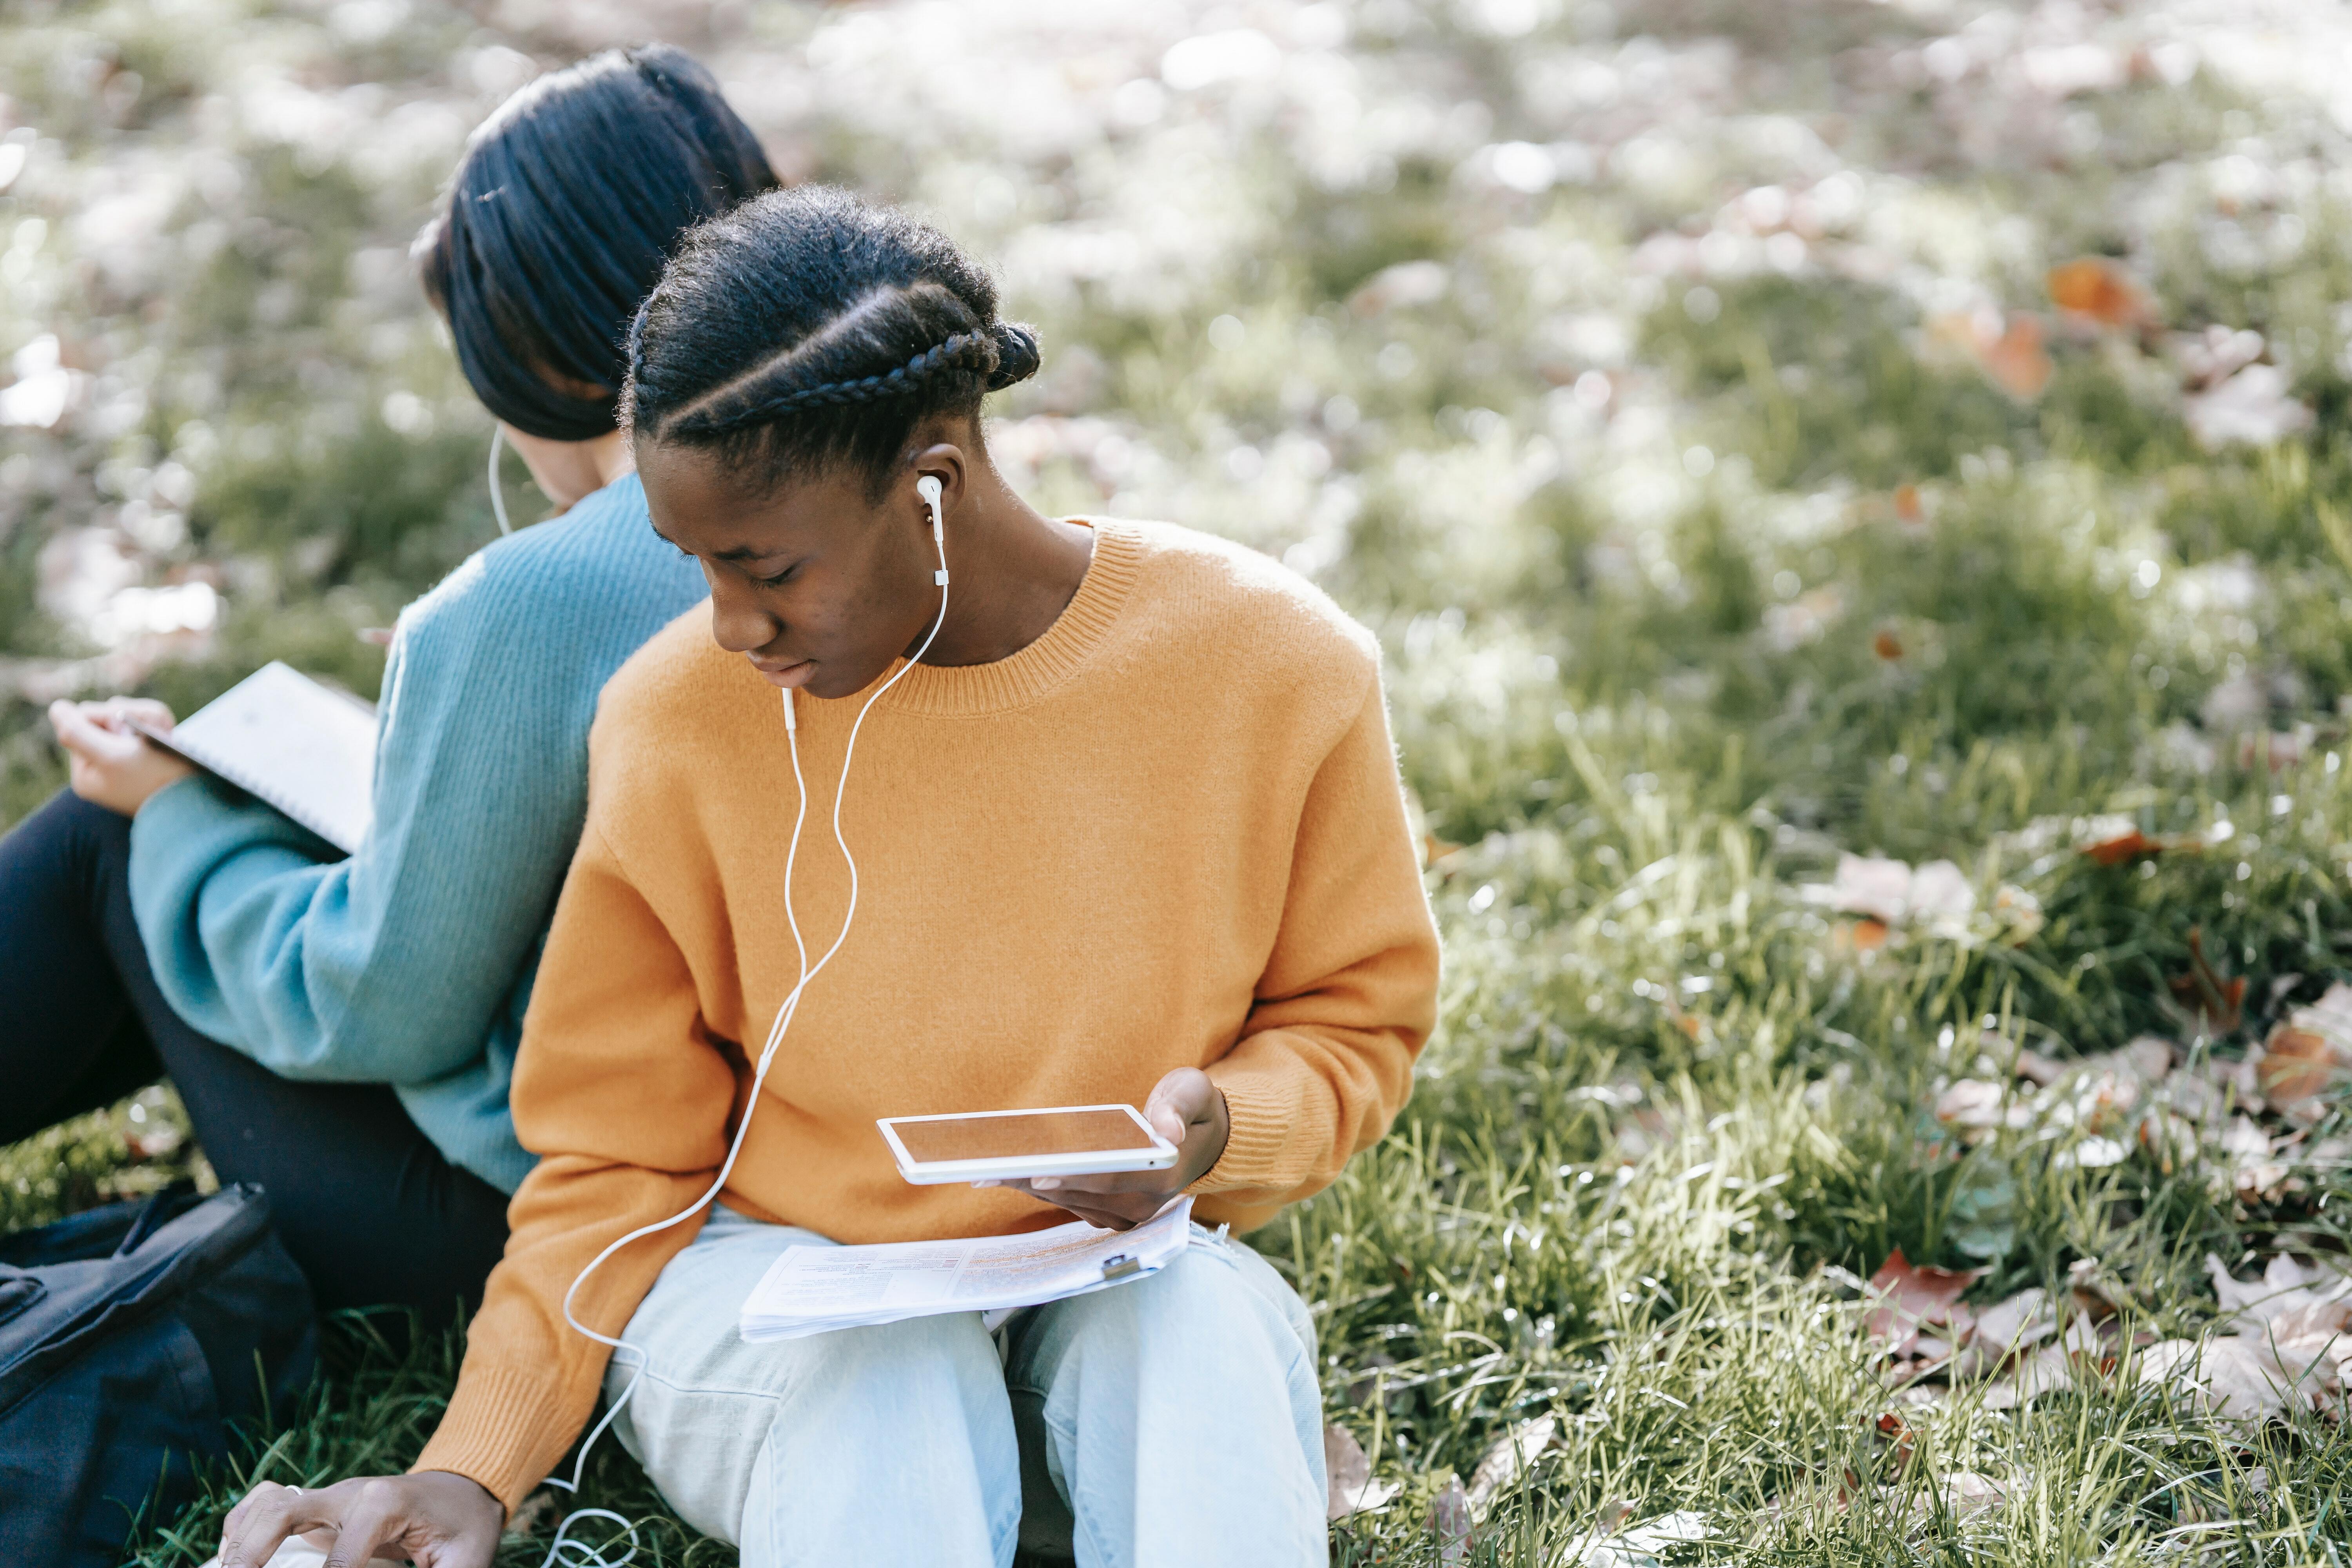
x=1168, y=833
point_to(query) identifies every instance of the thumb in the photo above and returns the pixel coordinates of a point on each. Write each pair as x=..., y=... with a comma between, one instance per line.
x=1178, y=1100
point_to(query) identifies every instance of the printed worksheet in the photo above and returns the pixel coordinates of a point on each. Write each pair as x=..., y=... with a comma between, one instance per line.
x=814, y=1289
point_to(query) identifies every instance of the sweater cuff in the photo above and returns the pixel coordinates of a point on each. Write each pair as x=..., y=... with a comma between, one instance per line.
x=1259, y=1125
x=499, y=1424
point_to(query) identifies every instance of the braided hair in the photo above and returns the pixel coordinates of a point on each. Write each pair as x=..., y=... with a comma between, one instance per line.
x=809, y=330
x=567, y=203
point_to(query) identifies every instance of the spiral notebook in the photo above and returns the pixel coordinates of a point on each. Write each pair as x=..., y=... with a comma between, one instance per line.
x=303, y=747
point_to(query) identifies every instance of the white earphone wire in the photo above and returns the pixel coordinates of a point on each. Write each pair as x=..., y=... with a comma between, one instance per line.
x=497, y=491
x=593, y=1557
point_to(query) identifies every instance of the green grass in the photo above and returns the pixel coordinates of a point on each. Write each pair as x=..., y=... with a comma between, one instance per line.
x=1637, y=653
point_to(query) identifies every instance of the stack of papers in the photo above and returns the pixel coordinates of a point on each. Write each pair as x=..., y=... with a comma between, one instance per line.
x=816, y=1289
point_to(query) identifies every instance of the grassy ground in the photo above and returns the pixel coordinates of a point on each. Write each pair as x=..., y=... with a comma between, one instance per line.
x=1684, y=393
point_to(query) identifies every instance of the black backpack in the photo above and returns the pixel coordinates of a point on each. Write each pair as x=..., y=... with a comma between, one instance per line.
x=130, y=1337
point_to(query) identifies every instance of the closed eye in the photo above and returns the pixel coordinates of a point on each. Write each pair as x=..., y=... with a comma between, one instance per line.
x=780, y=578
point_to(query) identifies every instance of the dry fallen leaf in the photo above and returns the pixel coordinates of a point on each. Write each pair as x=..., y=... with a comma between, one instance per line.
x=1974, y=1105
x=2215, y=1001
x=2227, y=1377
x=1886, y=645
x=2123, y=847
x=1967, y=1492
x=1890, y=893
x=2096, y=288
x=1637, y=1548
x=1513, y=1452
x=2299, y=1064
x=2252, y=408
x=2047, y=1369
x=2039, y=1069
x=1351, y=1488
x=1864, y=935
x=1450, y=1523
x=2006, y=1328
x=2016, y=359
x=1906, y=1298
x=2008, y=350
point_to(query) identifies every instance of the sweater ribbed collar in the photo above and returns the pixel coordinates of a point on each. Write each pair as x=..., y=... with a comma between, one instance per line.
x=1026, y=677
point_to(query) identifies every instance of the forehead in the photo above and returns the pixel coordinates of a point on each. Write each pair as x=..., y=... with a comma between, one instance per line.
x=703, y=505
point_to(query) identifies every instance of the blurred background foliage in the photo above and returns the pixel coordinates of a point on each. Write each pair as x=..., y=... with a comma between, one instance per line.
x=1759, y=432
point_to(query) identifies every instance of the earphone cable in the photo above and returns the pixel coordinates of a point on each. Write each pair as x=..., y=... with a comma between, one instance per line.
x=577, y=1553
x=498, y=489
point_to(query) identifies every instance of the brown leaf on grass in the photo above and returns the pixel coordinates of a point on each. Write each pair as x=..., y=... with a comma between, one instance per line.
x=2299, y=1064
x=2215, y=1001
x=1902, y=1441
x=2009, y=350
x=1349, y=1472
x=1864, y=935
x=1886, y=645
x=1906, y=1298
x=2016, y=359
x=1907, y=506
x=1450, y=1523
x=2037, y=1070
x=2096, y=288
x=2123, y=847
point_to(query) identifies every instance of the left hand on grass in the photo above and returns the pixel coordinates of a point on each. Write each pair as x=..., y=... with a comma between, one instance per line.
x=1188, y=1110
x=111, y=764
x=434, y=1518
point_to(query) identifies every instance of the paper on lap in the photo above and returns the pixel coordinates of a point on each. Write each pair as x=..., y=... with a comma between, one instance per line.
x=816, y=1289
x=304, y=748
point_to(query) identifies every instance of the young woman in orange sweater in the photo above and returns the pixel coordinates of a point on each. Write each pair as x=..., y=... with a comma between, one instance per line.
x=1127, y=828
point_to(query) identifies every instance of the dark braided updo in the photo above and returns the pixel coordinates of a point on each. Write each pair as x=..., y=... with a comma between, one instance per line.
x=808, y=329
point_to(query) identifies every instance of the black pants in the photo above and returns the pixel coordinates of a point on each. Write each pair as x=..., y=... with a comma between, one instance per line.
x=364, y=1201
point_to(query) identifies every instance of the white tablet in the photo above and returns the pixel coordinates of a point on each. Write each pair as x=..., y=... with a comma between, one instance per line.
x=998, y=1145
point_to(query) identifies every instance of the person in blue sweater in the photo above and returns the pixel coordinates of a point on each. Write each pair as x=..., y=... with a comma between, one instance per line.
x=342, y=1030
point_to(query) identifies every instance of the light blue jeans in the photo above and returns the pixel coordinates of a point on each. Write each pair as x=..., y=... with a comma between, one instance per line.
x=1177, y=1418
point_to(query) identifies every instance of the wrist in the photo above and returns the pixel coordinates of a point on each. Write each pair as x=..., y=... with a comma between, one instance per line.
x=1220, y=1132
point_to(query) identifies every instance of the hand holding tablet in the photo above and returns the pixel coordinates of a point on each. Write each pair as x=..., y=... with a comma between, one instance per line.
x=1107, y=1164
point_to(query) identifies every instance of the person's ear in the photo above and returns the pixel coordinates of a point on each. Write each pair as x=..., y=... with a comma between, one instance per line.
x=946, y=464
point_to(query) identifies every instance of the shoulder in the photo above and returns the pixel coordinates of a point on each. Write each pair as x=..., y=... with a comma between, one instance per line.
x=672, y=669
x=1244, y=613
x=601, y=550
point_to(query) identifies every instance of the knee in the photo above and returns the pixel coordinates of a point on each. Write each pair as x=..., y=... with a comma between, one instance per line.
x=1204, y=1297
x=949, y=1354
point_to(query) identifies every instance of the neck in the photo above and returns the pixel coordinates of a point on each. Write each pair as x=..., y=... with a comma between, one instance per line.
x=1015, y=569
x=610, y=456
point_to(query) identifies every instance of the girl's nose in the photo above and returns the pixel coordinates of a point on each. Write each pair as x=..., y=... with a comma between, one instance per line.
x=738, y=622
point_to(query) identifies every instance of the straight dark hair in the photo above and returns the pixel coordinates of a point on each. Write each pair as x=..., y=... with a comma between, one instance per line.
x=809, y=329
x=565, y=206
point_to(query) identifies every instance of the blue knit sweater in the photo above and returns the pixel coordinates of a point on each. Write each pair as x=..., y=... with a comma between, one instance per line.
x=410, y=962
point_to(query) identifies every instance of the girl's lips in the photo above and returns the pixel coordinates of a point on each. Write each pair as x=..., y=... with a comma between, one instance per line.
x=787, y=675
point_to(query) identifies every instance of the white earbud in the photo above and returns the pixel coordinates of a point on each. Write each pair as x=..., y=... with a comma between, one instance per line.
x=929, y=489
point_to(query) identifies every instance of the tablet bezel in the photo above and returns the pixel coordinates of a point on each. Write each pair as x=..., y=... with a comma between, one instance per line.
x=1159, y=1156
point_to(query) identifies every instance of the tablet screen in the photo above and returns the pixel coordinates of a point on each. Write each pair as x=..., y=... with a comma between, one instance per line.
x=1017, y=1137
